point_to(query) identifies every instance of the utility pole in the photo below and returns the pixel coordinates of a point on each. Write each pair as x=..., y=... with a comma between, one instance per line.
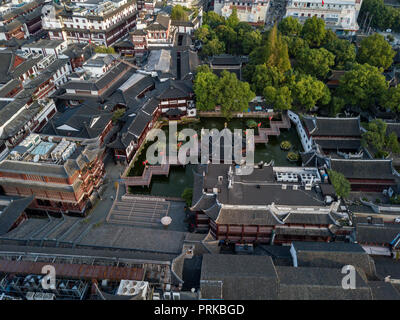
x=368, y=28
x=365, y=20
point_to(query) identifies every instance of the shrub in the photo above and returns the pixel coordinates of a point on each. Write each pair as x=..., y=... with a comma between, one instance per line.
x=293, y=156
x=286, y=145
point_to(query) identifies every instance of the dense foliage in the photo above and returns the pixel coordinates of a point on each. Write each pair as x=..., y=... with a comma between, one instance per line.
x=179, y=13
x=187, y=195
x=377, y=138
x=231, y=94
x=290, y=63
x=340, y=183
x=383, y=17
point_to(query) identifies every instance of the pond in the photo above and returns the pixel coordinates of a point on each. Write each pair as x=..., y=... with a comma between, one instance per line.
x=182, y=177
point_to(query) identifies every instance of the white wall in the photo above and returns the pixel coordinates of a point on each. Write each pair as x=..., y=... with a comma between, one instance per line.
x=306, y=142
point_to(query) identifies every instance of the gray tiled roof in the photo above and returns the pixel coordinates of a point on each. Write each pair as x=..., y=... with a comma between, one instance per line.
x=12, y=213
x=318, y=284
x=364, y=169
x=235, y=277
x=377, y=234
x=318, y=126
x=334, y=255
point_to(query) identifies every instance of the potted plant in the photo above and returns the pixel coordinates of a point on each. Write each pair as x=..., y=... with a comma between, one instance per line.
x=293, y=156
x=285, y=145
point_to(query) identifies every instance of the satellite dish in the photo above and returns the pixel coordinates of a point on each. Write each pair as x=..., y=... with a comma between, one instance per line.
x=166, y=220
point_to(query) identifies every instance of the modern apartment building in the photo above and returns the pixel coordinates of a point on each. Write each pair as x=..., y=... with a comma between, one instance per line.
x=339, y=15
x=98, y=22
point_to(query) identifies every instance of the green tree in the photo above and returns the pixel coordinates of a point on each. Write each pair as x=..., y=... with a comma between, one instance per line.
x=213, y=47
x=270, y=94
x=392, y=99
x=205, y=84
x=104, y=49
x=243, y=27
x=264, y=76
x=336, y=106
x=383, y=17
x=316, y=62
x=314, y=31
x=117, y=114
x=362, y=86
x=344, y=51
x=187, y=195
x=290, y=26
x=376, y=51
x=232, y=95
x=213, y=19
x=340, y=183
x=233, y=19
x=295, y=45
x=204, y=33
x=249, y=40
x=179, y=13
x=392, y=143
x=376, y=137
x=274, y=53
x=308, y=92
x=203, y=68
x=283, y=98
x=228, y=36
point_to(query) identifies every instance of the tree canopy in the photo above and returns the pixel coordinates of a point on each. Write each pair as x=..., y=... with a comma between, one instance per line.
x=391, y=99
x=179, y=13
x=205, y=86
x=340, y=183
x=290, y=26
x=104, y=49
x=187, y=195
x=363, y=86
x=377, y=137
x=232, y=95
x=383, y=17
x=376, y=51
x=344, y=51
x=227, y=91
x=274, y=53
x=314, y=31
x=213, y=47
x=308, y=92
x=316, y=62
x=314, y=52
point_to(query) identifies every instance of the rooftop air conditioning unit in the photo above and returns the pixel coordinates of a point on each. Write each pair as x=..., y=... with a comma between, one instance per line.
x=156, y=296
x=30, y=295
x=167, y=295
x=176, y=296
